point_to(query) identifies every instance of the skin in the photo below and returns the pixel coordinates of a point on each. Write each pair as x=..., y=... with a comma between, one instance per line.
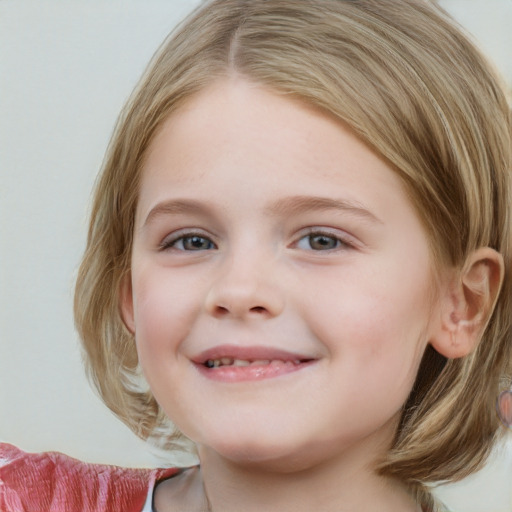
x=349, y=286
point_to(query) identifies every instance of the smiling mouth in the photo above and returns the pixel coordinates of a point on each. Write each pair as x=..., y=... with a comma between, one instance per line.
x=230, y=363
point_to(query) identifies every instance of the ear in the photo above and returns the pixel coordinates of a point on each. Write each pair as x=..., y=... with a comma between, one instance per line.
x=126, y=302
x=468, y=302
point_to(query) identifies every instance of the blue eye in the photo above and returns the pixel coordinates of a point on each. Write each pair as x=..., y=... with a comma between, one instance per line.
x=320, y=242
x=189, y=243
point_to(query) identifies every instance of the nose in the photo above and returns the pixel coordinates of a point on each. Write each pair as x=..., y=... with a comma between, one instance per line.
x=246, y=287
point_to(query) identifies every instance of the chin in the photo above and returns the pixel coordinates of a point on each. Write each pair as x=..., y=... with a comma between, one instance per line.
x=278, y=457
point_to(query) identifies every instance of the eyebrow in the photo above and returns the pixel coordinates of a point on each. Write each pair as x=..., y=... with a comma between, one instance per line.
x=293, y=205
x=175, y=207
x=298, y=204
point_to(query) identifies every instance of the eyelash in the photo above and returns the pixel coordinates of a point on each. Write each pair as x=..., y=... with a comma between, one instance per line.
x=169, y=244
x=323, y=238
x=341, y=242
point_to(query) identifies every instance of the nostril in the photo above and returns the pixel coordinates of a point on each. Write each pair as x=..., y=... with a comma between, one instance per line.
x=258, y=309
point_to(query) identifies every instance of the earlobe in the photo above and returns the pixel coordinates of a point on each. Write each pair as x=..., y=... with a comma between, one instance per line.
x=468, y=303
x=126, y=303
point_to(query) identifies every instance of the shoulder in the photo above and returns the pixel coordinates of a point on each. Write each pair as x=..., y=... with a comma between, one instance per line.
x=54, y=482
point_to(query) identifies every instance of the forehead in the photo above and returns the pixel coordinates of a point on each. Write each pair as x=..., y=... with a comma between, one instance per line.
x=245, y=116
x=243, y=123
x=246, y=146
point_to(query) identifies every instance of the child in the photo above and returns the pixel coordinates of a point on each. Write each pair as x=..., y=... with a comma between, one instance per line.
x=301, y=241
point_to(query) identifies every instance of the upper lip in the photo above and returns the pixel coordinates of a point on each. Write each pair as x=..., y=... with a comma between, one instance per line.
x=249, y=353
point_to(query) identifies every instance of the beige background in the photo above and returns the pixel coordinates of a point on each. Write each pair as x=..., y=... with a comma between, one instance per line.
x=66, y=67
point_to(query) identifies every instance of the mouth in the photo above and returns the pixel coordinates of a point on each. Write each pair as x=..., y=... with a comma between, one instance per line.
x=229, y=361
x=235, y=364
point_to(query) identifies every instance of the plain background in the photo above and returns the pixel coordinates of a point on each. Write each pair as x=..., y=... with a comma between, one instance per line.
x=66, y=68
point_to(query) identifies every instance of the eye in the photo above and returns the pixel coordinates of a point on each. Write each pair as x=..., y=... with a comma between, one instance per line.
x=321, y=242
x=190, y=242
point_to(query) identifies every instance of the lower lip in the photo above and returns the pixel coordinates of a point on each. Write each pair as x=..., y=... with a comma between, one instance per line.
x=251, y=372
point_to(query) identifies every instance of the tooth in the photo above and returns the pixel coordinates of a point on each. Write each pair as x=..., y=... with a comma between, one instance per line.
x=297, y=361
x=240, y=362
x=260, y=362
x=276, y=362
x=226, y=361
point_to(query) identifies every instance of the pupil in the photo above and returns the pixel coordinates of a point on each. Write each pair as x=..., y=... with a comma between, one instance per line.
x=197, y=242
x=322, y=242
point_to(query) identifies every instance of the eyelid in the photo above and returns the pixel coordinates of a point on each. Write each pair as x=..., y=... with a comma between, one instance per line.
x=347, y=240
x=170, y=239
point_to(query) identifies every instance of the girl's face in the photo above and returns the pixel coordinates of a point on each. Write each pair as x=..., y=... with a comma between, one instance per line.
x=281, y=282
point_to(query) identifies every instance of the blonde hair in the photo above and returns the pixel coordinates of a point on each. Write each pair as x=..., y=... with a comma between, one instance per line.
x=411, y=86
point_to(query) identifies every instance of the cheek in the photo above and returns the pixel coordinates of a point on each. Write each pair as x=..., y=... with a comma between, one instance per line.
x=164, y=309
x=377, y=324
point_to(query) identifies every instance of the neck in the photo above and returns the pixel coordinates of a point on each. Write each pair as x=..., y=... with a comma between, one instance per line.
x=338, y=484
